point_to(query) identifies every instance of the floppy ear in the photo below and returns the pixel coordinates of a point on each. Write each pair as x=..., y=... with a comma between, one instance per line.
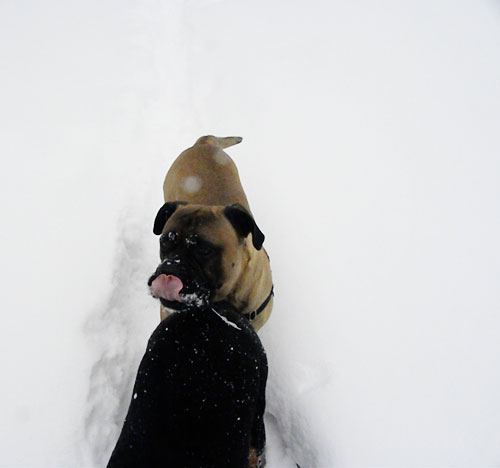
x=244, y=224
x=164, y=213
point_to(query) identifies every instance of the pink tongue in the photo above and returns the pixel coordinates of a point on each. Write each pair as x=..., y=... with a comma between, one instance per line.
x=167, y=287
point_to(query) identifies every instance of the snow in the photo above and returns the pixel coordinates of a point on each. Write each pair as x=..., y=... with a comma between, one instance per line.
x=225, y=320
x=191, y=184
x=192, y=298
x=370, y=160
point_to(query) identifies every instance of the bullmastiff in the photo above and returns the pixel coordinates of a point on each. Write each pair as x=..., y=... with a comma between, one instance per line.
x=210, y=245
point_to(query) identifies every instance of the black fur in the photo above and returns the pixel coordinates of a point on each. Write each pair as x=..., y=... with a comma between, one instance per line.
x=199, y=396
x=163, y=214
x=244, y=224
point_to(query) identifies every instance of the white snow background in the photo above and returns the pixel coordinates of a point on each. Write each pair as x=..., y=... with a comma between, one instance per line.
x=371, y=159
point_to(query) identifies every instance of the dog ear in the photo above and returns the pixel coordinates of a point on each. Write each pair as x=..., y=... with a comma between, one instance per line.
x=244, y=224
x=164, y=213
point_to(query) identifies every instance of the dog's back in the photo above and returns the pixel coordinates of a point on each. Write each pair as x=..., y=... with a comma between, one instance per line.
x=199, y=396
x=204, y=174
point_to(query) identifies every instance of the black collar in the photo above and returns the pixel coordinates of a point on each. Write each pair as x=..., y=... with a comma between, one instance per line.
x=253, y=315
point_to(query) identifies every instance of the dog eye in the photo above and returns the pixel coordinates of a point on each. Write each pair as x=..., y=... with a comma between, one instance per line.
x=204, y=250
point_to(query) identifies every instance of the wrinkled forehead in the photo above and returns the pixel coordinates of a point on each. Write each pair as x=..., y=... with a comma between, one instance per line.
x=207, y=222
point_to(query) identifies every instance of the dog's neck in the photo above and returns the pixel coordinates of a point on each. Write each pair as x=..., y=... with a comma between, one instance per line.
x=243, y=294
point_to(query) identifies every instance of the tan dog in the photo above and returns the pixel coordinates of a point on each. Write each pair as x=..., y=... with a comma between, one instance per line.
x=210, y=245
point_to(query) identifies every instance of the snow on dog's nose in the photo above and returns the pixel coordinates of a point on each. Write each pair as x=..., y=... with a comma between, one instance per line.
x=167, y=287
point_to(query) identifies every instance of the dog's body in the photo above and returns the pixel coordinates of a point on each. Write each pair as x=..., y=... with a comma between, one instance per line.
x=199, y=396
x=205, y=175
x=203, y=183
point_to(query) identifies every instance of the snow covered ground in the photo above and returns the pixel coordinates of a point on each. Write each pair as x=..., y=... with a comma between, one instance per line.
x=371, y=159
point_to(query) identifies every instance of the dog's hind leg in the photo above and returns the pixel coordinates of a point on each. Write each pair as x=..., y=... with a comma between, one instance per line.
x=255, y=460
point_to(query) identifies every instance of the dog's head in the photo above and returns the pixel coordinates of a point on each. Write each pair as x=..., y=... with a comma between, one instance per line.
x=203, y=251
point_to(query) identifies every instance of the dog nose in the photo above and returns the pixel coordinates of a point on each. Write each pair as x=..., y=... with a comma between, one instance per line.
x=170, y=260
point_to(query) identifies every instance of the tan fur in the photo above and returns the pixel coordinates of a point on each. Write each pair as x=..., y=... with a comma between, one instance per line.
x=204, y=175
x=220, y=180
x=254, y=284
x=253, y=459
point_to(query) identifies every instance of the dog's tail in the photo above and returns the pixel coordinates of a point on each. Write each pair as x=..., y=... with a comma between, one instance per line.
x=220, y=142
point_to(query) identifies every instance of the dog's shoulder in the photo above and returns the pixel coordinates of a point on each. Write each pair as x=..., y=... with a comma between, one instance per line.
x=217, y=330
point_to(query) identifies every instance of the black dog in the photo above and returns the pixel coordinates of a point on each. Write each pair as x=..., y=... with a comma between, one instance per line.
x=199, y=395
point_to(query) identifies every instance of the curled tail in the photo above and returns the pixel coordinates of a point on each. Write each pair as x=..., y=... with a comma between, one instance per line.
x=220, y=142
